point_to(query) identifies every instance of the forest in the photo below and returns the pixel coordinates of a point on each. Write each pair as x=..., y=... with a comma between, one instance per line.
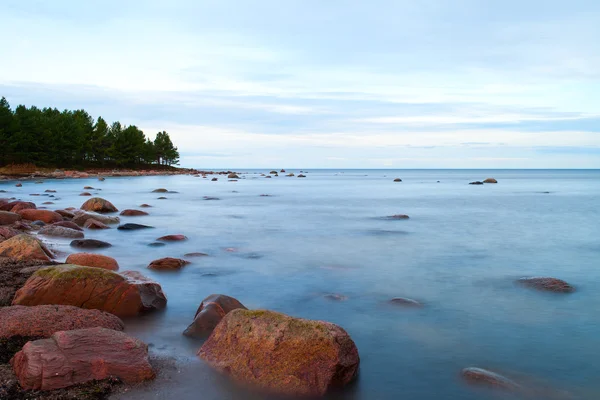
x=48, y=137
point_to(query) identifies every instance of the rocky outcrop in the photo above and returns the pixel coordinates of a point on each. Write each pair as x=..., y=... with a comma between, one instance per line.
x=72, y=357
x=210, y=313
x=133, y=227
x=547, y=284
x=168, y=264
x=24, y=247
x=81, y=216
x=95, y=224
x=90, y=244
x=124, y=295
x=98, y=205
x=490, y=180
x=46, y=216
x=281, y=354
x=482, y=376
x=93, y=260
x=172, y=238
x=8, y=218
x=133, y=213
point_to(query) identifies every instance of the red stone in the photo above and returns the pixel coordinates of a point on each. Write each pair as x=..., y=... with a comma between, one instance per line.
x=172, y=238
x=210, y=313
x=99, y=205
x=46, y=216
x=93, y=260
x=168, y=264
x=68, y=224
x=133, y=213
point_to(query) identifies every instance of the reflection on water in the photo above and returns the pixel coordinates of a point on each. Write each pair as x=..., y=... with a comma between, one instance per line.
x=322, y=248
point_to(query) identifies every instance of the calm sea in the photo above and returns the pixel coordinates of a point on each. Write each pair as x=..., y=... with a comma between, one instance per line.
x=459, y=254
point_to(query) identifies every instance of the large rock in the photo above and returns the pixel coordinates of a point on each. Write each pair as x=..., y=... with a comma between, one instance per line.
x=8, y=218
x=15, y=206
x=7, y=233
x=210, y=313
x=81, y=216
x=65, y=214
x=68, y=224
x=90, y=244
x=547, y=284
x=168, y=264
x=233, y=176
x=124, y=295
x=72, y=357
x=21, y=324
x=281, y=354
x=133, y=213
x=24, y=247
x=93, y=260
x=61, y=231
x=46, y=216
x=99, y=205
x=94, y=224
x=490, y=180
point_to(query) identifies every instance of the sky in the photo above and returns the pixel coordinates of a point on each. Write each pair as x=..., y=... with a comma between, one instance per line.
x=322, y=83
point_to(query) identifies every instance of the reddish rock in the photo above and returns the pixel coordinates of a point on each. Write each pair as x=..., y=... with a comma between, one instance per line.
x=490, y=180
x=99, y=205
x=93, y=260
x=145, y=205
x=19, y=185
x=281, y=354
x=65, y=214
x=482, y=376
x=210, y=313
x=397, y=180
x=82, y=216
x=133, y=213
x=68, y=224
x=46, y=216
x=88, y=188
x=547, y=284
x=7, y=233
x=172, y=238
x=24, y=247
x=93, y=224
x=168, y=264
x=15, y=206
x=161, y=190
x=85, y=194
x=233, y=176
x=124, y=295
x=73, y=357
x=8, y=218
x=61, y=231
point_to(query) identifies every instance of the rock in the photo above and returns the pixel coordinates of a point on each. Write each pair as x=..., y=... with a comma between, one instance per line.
x=273, y=172
x=476, y=183
x=161, y=198
x=124, y=295
x=233, y=176
x=49, y=191
x=85, y=194
x=301, y=176
x=22, y=225
x=214, y=179
x=268, y=176
x=93, y=260
x=156, y=244
x=101, y=179
x=24, y=247
x=15, y=206
x=195, y=255
x=398, y=216
x=21, y=324
x=405, y=302
x=281, y=354
x=38, y=224
x=93, y=224
x=65, y=214
x=88, y=188
x=168, y=264
x=290, y=174
x=145, y=205
x=46, y=216
x=133, y=213
x=133, y=227
x=210, y=198
x=7, y=233
x=397, y=180
x=68, y=224
x=47, y=203
x=336, y=297
x=61, y=231
x=490, y=180
x=210, y=313
x=82, y=216
x=73, y=357
x=99, y=205
x=547, y=284
x=90, y=244
x=9, y=218
x=19, y=185
x=162, y=190
x=484, y=377
x=172, y=238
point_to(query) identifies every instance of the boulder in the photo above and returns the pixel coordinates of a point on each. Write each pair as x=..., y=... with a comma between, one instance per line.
x=15, y=206
x=82, y=216
x=133, y=213
x=168, y=264
x=49, y=191
x=93, y=260
x=9, y=218
x=405, y=302
x=7, y=233
x=46, y=216
x=124, y=295
x=68, y=224
x=268, y=176
x=161, y=190
x=476, y=183
x=145, y=205
x=61, y=231
x=88, y=188
x=21, y=324
x=133, y=227
x=161, y=198
x=99, y=205
x=19, y=185
x=156, y=244
x=273, y=172
x=101, y=178
x=90, y=244
x=233, y=176
x=482, y=376
x=214, y=179
x=172, y=238
x=73, y=357
x=290, y=174
x=547, y=284
x=85, y=194
x=397, y=180
x=24, y=247
x=301, y=176
x=282, y=354
x=210, y=313
x=65, y=214
x=490, y=180
x=93, y=224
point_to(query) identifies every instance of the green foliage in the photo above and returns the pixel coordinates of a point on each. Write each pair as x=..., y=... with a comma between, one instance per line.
x=49, y=137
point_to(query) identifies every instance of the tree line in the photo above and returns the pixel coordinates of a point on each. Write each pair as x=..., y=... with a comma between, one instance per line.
x=51, y=138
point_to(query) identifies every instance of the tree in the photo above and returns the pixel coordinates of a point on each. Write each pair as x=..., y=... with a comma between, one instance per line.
x=166, y=152
x=6, y=125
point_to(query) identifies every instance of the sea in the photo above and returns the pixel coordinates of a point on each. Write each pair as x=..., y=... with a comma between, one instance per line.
x=321, y=248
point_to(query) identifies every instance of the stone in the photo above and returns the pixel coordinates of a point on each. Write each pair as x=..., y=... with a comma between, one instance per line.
x=156, y=244
x=101, y=179
x=268, y=176
x=9, y=218
x=46, y=216
x=210, y=198
x=145, y=205
x=547, y=284
x=21, y=324
x=214, y=179
x=282, y=354
x=133, y=213
x=19, y=185
x=61, y=231
x=490, y=180
x=68, y=224
x=85, y=194
x=47, y=203
x=210, y=313
x=82, y=216
x=93, y=260
x=93, y=224
x=476, y=183
x=290, y=174
x=397, y=180
x=24, y=247
x=15, y=206
x=301, y=176
x=172, y=238
x=65, y=214
x=133, y=227
x=398, y=216
x=168, y=264
x=405, y=302
x=195, y=255
x=7, y=233
x=336, y=297
x=98, y=205
x=73, y=357
x=273, y=172
x=161, y=190
x=162, y=198
x=482, y=376
x=49, y=191
x=124, y=295
x=233, y=176
x=88, y=188
x=90, y=244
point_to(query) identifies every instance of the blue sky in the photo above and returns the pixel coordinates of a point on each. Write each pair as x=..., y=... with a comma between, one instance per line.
x=330, y=84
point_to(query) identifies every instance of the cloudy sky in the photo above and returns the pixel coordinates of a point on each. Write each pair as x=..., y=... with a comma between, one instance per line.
x=323, y=83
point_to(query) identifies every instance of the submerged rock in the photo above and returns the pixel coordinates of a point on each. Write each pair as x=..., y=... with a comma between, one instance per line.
x=90, y=244
x=61, y=231
x=476, y=183
x=85, y=194
x=133, y=213
x=133, y=227
x=156, y=244
x=233, y=176
x=214, y=179
x=398, y=216
x=99, y=205
x=282, y=354
x=24, y=247
x=161, y=190
x=195, y=255
x=490, y=180
x=210, y=313
x=168, y=264
x=547, y=284
x=93, y=260
x=301, y=176
x=73, y=357
x=397, y=180
x=405, y=302
x=145, y=205
x=80, y=217
x=172, y=238
x=482, y=376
